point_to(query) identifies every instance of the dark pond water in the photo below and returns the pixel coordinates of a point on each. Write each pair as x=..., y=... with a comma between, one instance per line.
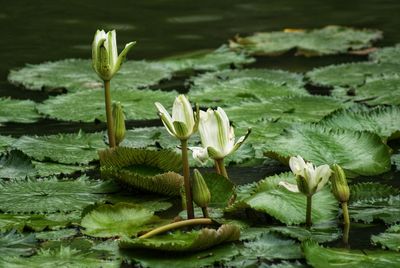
x=43, y=30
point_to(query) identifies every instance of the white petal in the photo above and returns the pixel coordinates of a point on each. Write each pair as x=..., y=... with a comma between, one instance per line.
x=169, y=123
x=289, y=186
x=182, y=111
x=112, y=47
x=297, y=165
x=323, y=174
x=200, y=154
x=208, y=129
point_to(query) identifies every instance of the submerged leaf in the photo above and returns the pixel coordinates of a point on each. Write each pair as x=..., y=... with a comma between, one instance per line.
x=190, y=241
x=149, y=170
x=358, y=153
x=316, y=42
x=20, y=111
x=389, y=239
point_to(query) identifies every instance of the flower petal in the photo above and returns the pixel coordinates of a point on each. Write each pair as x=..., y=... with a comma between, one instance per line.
x=165, y=118
x=289, y=186
x=200, y=154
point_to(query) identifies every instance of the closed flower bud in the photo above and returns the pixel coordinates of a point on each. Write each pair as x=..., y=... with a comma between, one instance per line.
x=119, y=122
x=340, y=188
x=201, y=193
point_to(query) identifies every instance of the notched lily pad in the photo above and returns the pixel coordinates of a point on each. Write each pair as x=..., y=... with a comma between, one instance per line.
x=358, y=153
x=319, y=233
x=88, y=105
x=149, y=170
x=190, y=241
x=5, y=142
x=78, y=75
x=370, y=190
x=15, y=244
x=316, y=42
x=16, y=165
x=20, y=111
x=389, y=239
x=386, y=54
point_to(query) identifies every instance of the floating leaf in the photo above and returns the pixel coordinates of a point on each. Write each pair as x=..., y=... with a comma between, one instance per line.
x=380, y=120
x=77, y=148
x=206, y=60
x=289, y=207
x=149, y=137
x=5, y=142
x=371, y=190
x=356, y=73
x=20, y=111
x=149, y=170
x=190, y=241
x=396, y=161
x=45, y=169
x=51, y=195
x=358, y=153
x=16, y=165
x=389, y=239
x=217, y=79
x=221, y=189
x=318, y=256
x=56, y=235
x=150, y=202
x=318, y=233
x=316, y=42
x=14, y=244
x=386, y=54
x=61, y=257
x=78, y=75
x=131, y=220
x=88, y=105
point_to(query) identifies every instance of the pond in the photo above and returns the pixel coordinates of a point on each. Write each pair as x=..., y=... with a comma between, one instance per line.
x=53, y=31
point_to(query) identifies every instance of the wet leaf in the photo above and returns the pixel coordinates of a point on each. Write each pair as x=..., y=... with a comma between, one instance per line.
x=20, y=111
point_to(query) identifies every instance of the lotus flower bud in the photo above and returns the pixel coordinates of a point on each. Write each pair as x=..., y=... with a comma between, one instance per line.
x=119, y=122
x=201, y=193
x=340, y=188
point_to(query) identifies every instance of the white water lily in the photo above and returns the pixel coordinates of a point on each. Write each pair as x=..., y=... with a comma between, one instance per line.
x=310, y=179
x=105, y=59
x=217, y=136
x=184, y=121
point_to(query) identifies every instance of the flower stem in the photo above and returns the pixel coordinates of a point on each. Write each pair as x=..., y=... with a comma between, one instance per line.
x=346, y=230
x=345, y=210
x=186, y=178
x=221, y=167
x=217, y=167
x=205, y=212
x=175, y=225
x=308, y=212
x=110, y=123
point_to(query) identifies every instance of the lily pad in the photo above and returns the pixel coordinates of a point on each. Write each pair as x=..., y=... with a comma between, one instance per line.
x=5, y=142
x=78, y=75
x=131, y=219
x=356, y=74
x=14, y=244
x=77, y=148
x=386, y=54
x=358, y=153
x=396, y=161
x=56, y=235
x=20, y=111
x=370, y=190
x=287, y=109
x=318, y=233
x=149, y=137
x=221, y=189
x=316, y=42
x=16, y=165
x=51, y=195
x=206, y=60
x=380, y=120
x=190, y=241
x=389, y=239
x=88, y=105
x=318, y=256
x=149, y=170
x=45, y=169
x=289, y=207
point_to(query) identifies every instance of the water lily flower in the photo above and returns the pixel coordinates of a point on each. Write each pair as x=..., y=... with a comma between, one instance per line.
x=217, y=136
x=105, y=59
x=184, y=122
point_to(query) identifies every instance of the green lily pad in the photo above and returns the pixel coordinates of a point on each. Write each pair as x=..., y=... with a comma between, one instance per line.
x=150, y=202
x=78, y=75
x=14, y=244
x=375, y=91
x=389, y=239
x=150, y=137
x=88, y=105
x=16, y=165
x=287, y=109
x=56, y=235
x=371, y=190
x=386, y=54
x=380, y=120
x=316, y=42
x=60, y=257
x=20, y=111
x=358, y=153
x=206, y=60
x=5, y=142
x=318, y=233
x=190, y=241
x=221, y=189
x=77, y=148
x=149, y=170
x=356, y=74
x=220, y=79
x=45, y=169
x=131, y=220
x=289, y=207
x=396, y=160
x=318, y=256
x=51, y=195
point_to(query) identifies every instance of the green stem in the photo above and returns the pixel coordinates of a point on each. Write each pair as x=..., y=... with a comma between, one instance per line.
x=186, y=178
x=221, y=167
x=175, y=225
x=346, y=230
x=308, y=212
x=217, y=167
x=205, y=212
x=110, y=123
x=345, y=211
